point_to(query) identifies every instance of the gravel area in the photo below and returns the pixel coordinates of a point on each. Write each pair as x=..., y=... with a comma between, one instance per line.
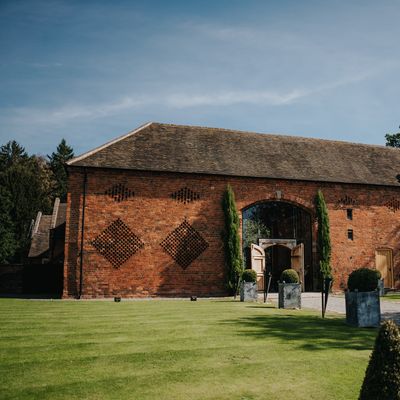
x=389, y=309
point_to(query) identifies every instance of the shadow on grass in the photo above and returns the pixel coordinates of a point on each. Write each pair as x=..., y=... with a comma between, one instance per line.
x=308, y=332
x=27, y=296
x=395, y=316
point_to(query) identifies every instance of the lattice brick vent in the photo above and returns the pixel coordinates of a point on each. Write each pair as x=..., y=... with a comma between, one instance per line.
x=184, y=244
x=346, y=201
x=185, y=195
x=117, y=243
x=393, y=205
x=119, y=192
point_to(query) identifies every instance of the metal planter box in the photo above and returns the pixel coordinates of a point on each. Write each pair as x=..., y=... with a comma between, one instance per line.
x=248, y=291
x=289, y=295
x=363, y=309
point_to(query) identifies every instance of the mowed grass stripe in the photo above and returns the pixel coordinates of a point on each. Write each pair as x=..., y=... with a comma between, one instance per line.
x=176, y=350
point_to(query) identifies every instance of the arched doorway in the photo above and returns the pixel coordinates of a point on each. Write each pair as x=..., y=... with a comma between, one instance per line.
x=283, y=231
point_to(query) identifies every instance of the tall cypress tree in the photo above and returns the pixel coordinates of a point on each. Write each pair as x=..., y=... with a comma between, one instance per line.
x=233, y=255
x=324, y=240
x=57, y=164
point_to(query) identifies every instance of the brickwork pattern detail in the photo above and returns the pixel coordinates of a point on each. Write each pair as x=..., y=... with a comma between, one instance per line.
x=119, y=192
x=117, y=243
x=184, y=244
x=185, y=195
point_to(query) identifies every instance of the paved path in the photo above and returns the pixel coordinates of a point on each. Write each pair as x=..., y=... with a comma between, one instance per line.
x=389, y=309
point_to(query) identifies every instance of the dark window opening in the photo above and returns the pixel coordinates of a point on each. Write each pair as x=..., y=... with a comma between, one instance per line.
x=278, y=220
x=350, y=213
x=350, y=235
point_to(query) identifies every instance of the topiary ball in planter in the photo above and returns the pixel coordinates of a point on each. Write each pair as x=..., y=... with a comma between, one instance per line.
x=289, y=290
x=363, y=307
x=363, y=280
x=248, y=286
x=290, y=276
x=249, y=275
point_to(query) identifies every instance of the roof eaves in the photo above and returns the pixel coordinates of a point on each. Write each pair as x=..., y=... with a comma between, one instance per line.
x=97, y=149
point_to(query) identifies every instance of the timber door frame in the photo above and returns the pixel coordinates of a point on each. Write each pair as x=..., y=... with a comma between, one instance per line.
x=390, y=266
x=296, y=254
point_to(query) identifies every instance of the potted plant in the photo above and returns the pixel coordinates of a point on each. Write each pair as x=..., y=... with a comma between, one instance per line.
x=248, y=285
x=289, y=290
x=363, y=308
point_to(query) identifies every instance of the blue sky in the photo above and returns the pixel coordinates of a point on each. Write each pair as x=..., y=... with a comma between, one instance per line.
x=90, y=70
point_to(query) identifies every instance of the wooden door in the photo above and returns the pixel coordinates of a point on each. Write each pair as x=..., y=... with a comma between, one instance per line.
x=297, y=262
x=258, y=264
x=384, y=264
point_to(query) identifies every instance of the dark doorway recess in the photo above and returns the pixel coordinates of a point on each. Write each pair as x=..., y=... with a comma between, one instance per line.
x=278, y=220
x=277, y=259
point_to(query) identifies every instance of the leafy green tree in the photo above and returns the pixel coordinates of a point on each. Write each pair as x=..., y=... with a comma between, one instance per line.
x=254, y=229
x=57, y=164
x=233, y=256
x=324, y=240
x=393, y=140
x=382, y=378
x=27, y=184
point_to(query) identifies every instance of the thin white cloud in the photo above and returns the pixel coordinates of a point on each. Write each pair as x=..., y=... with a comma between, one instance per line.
x=67, y=113
x=70, y=112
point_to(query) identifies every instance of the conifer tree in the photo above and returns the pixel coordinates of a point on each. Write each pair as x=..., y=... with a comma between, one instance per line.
x=8, y=243
x=26, y=189
x=382, y=378
x=57, y=164
x=233, y=256
x=324, y=240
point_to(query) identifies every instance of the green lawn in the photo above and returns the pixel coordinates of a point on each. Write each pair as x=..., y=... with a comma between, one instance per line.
x=391, y=296
x=176, y=350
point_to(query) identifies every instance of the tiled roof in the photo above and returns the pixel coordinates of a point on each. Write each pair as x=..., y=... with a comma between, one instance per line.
x=40, y=242
x=40, y=239
x=191, y=149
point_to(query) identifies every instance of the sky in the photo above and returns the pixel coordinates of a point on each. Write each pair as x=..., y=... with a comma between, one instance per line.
x=89, y=71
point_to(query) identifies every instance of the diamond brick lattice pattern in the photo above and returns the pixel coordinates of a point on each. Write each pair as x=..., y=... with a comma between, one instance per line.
x=117, y=243
x=393, y=205
x=346, y=201
x=184, y=244
x=185, y=195
x=119, y=192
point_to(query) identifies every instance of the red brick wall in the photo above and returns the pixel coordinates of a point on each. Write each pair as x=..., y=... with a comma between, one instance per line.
x=152, y=214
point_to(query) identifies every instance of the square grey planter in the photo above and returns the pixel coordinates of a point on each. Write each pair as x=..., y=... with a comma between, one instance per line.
x=248, y=291
x=363, y=309
x=289, y=295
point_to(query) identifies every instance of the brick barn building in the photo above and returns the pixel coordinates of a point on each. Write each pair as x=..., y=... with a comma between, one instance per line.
x=144, y=213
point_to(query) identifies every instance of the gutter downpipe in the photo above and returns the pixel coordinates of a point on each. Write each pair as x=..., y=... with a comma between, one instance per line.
x=82, y=233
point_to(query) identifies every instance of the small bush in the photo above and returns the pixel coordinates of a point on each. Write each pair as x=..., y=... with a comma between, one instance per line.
x=249, y=275
x=363, y=279
x=382, y=378
x=378, y=274
x=290, y=276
